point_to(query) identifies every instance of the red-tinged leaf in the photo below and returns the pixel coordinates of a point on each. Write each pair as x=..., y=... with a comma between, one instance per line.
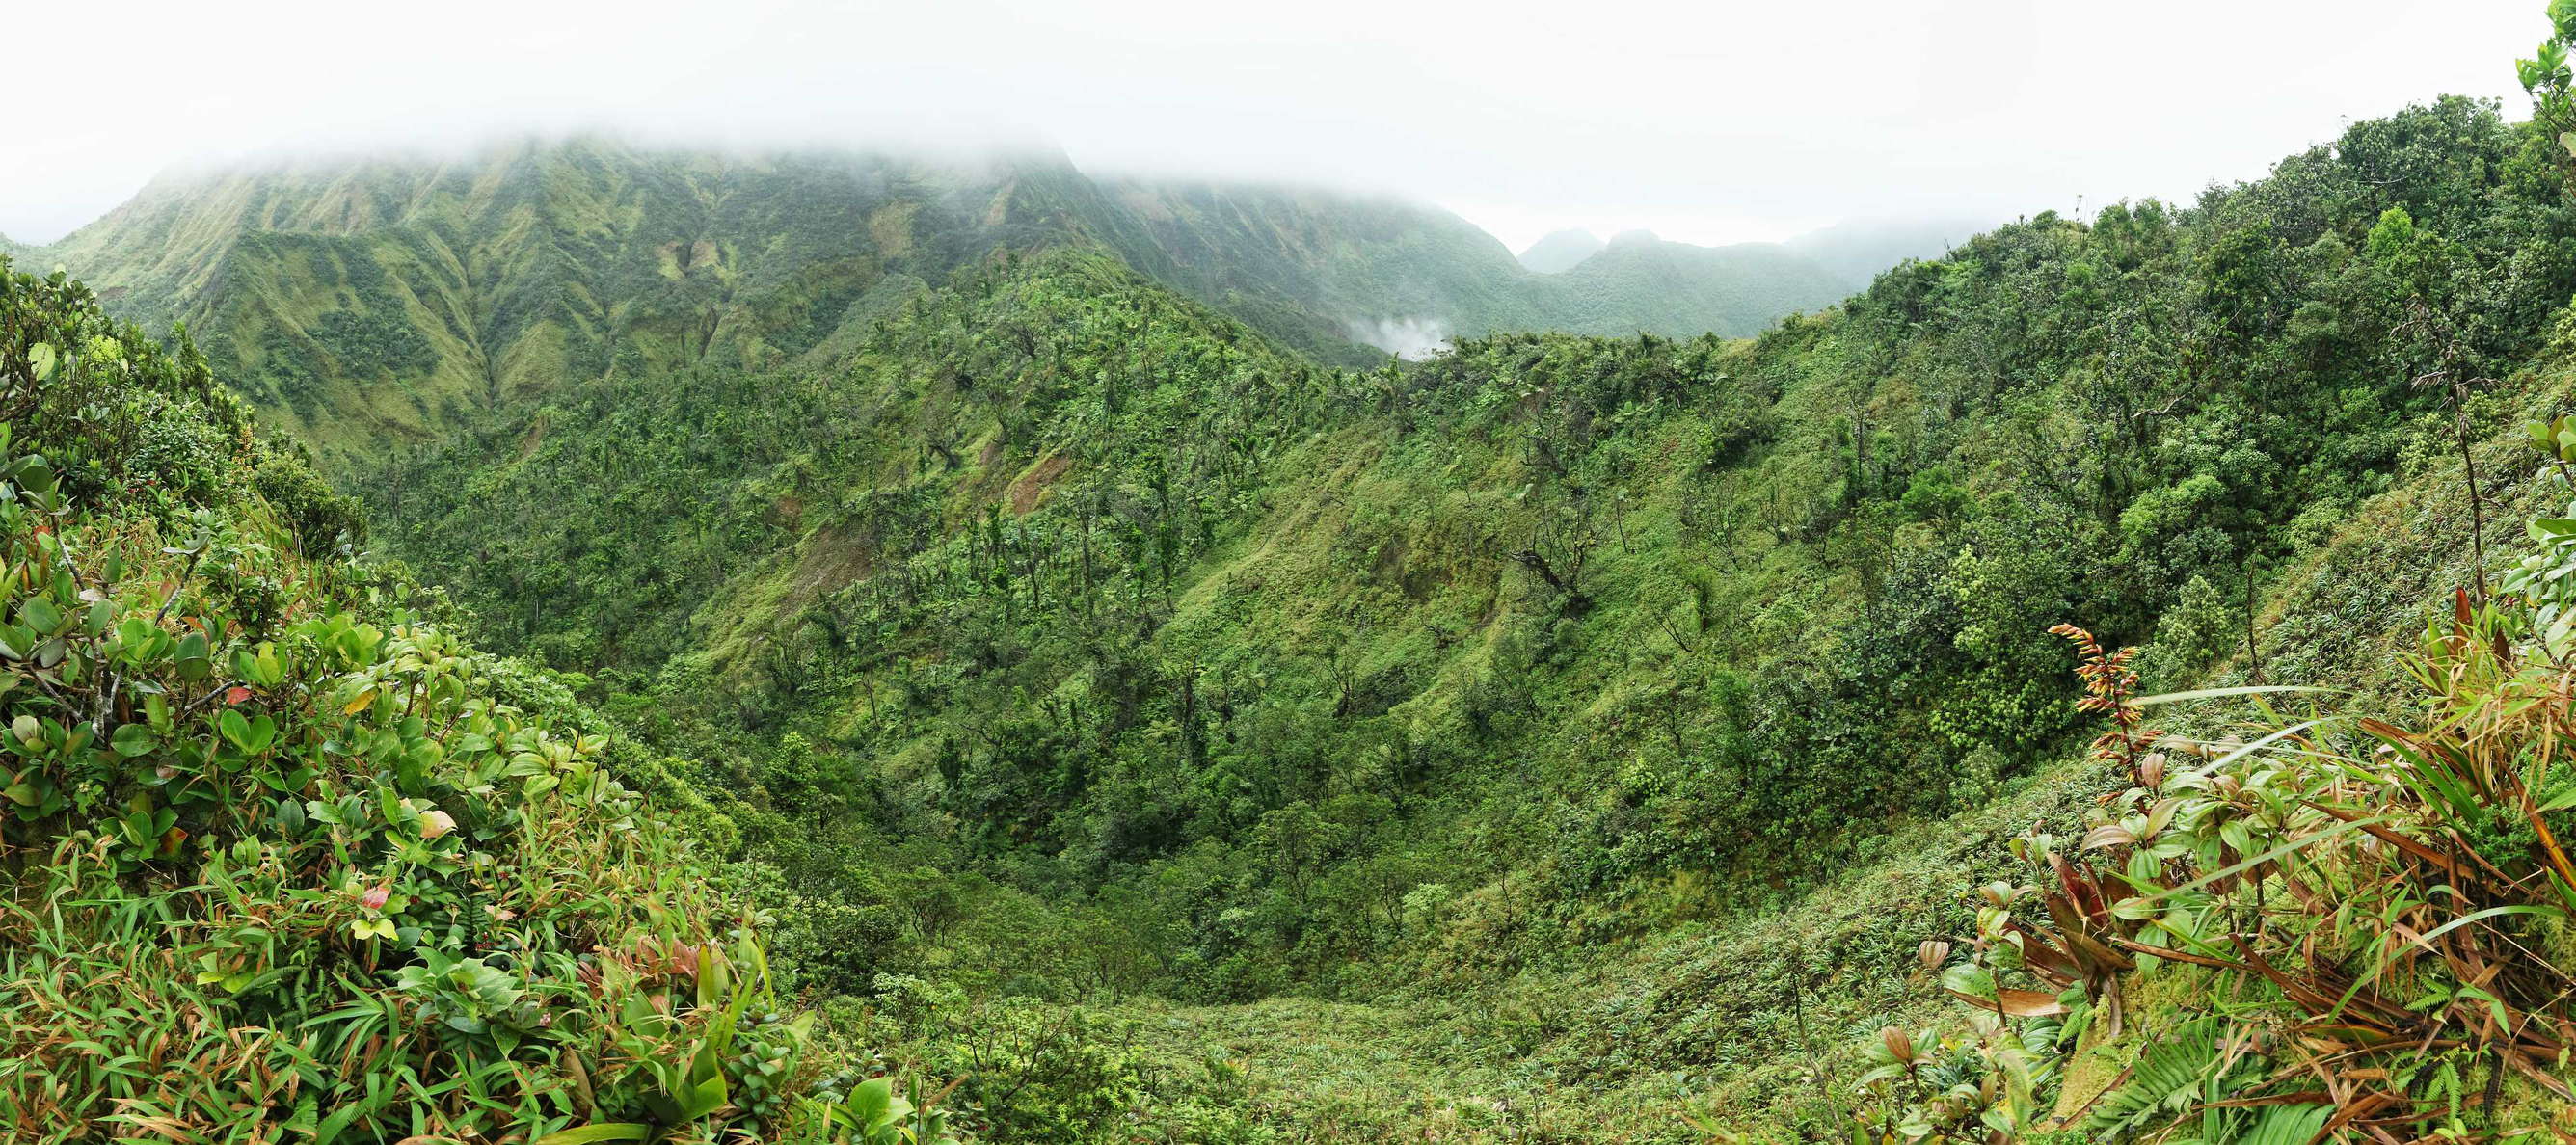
x=2108, y=835
x=2017, y=1003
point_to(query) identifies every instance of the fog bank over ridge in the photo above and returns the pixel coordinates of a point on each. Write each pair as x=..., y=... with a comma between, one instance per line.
x=1708, y=126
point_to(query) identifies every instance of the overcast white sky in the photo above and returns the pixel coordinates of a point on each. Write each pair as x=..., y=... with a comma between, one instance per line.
x=1707, y=122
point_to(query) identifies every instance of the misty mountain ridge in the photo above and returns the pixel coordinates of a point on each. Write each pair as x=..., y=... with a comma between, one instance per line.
x=1559, y=251
x=1858, y=249
x=1851, y=252
x=478, y=276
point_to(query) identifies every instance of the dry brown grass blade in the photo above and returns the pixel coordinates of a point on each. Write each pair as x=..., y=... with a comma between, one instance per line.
x=2322, y=998
x=2513, y=1056
x=2448, y=865
x=2303, y=1097
x=2349, y=1110
x=2549, y=842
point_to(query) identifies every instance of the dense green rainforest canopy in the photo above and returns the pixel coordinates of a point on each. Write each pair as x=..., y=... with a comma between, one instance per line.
x=1026, y=655
x=1062, y=579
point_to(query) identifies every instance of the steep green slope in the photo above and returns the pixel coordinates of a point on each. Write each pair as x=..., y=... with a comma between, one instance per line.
x=1387, y=273
x=367, y=303
x=1430, y=683
x=286, y=859
x=1020, y=377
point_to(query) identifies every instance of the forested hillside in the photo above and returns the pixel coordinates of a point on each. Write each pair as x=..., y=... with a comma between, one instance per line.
x=370, y=303
x=1230, y=678
x=1671, y=282
x=1406, y=278
x=989, y=632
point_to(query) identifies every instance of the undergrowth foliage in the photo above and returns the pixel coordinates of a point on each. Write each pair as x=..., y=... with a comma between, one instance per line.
x=2375, y=912
x=278, y=864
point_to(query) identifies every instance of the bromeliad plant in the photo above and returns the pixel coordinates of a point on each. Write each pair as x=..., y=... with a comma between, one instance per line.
x=871, y=1113
x=1996, y=1080
x=2385, y=906
x=743, y=1060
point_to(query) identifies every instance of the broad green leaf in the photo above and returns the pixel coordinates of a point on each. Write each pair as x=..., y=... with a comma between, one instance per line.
x=41, y=615
x=132, y=740
x=235, y=729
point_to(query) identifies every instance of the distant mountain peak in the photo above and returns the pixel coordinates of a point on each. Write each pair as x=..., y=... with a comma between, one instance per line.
x=1560, y=251
x=1856, y=250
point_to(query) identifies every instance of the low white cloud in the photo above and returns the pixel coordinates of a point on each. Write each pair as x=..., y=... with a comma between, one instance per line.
x=1710, y=122
x=1411, y=339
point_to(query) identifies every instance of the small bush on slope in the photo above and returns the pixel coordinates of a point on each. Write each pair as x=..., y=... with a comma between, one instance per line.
x=277, y=863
